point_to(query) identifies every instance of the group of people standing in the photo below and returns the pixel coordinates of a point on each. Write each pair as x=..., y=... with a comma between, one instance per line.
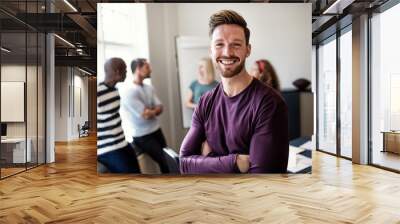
x=141, y=107
x=239, y=125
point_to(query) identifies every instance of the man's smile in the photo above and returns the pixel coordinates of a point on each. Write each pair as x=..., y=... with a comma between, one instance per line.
x=227, y=62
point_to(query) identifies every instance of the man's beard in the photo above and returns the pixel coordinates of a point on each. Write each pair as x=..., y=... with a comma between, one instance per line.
x=230, y=73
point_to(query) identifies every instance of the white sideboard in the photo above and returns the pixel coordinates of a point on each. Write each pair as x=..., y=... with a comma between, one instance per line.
x=19, y=155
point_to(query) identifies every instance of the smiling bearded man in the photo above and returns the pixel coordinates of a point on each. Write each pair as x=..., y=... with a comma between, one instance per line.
x=241, y=126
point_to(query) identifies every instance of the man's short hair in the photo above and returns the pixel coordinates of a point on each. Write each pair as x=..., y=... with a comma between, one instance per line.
x=228, y=17
x=137, y=63
x=113, y=63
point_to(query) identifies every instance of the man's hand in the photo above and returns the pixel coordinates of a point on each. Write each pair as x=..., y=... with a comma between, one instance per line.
x=157, y=110
x=243, y=163
x=206, y=149
x=148, y=114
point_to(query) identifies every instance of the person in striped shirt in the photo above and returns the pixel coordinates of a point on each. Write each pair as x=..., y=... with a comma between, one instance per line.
x=112, y=150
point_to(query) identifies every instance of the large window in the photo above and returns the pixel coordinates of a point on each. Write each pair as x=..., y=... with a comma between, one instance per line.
x=327, y=96
x=22, y=77
x=127, y=43
x=385, y=88
x=346, y=93
x=335, y=74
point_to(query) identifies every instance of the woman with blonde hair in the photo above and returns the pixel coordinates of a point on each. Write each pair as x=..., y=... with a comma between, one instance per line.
x=205, y=82
x=265, y=72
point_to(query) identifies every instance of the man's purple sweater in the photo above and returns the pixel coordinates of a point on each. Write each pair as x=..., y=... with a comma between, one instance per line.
x=254, y=122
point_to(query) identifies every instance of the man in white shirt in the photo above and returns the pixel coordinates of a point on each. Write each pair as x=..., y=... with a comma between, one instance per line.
x=141, y=106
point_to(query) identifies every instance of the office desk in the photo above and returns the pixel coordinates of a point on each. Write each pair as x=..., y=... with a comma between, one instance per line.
x=391, y=141
x=13, y=150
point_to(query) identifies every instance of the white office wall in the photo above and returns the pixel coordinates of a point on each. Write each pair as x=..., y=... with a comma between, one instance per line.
x=162, y=29
x=85, y=98
x=67, y=115
x=80, y=109
x=280, y=33
x=61, y=103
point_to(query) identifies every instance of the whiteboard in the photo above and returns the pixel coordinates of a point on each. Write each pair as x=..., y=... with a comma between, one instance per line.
x=12, y=101
x=190, y=50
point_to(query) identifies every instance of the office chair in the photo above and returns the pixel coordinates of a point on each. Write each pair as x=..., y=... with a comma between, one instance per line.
x=172, y=160
x=84, y=130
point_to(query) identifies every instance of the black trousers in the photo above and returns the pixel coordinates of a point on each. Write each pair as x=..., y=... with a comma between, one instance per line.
x=153, y=145
x=120, y=161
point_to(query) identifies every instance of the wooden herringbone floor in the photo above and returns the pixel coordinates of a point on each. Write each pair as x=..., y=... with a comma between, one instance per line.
x=70, y=191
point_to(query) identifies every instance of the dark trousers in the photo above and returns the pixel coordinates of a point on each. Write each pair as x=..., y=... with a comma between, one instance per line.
x=120, y=161
x=153, y=145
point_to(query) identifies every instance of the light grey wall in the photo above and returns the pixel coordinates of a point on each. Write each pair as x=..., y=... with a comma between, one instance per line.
x=360, y=90
x=66, y=122
x=162, y=28
x=61, y=103
x=50, y=98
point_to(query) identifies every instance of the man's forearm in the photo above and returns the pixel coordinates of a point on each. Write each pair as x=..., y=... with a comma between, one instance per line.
x=150, y=113
x=197, y=164
x=207, y=163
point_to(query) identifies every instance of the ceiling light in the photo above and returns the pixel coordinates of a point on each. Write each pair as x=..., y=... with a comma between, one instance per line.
x=84, y=71
x=5, y=50
x=64, y=40
x=329, y=9
x=70, y=5
x=338, y=6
